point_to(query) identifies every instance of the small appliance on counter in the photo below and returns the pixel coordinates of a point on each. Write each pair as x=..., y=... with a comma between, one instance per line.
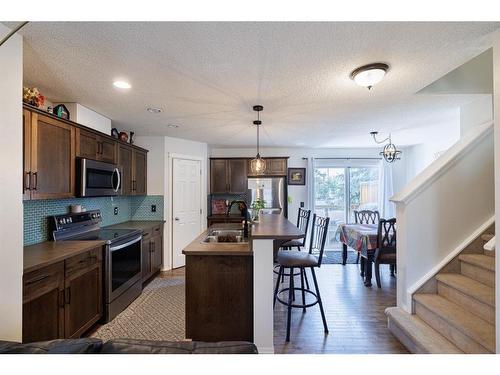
x=122, y=256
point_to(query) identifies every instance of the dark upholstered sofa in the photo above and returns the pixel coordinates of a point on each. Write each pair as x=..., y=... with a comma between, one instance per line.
x=127, y=346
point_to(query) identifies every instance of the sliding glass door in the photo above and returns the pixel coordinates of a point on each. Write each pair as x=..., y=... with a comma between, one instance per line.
x=340, y=188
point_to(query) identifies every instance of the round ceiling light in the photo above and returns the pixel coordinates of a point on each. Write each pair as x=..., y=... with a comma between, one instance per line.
x=154, y=110
x=172, y=126
x=369, y=75
x=122, y=84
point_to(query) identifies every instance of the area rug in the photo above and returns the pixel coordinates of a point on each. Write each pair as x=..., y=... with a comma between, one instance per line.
x=335, y=257
x=157, y=314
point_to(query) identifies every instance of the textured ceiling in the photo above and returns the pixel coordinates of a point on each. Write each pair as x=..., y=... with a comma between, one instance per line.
x=207, y=75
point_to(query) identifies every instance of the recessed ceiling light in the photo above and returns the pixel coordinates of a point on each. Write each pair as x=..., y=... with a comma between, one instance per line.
x=154, y=110
x=173, y=126
x=369, y=75
x=122, y=84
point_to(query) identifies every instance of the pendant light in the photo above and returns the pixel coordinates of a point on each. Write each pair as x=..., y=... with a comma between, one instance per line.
x=258, y=165
x=390, y=152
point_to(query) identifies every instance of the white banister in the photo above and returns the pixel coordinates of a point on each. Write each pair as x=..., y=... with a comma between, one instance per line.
x=442, y=209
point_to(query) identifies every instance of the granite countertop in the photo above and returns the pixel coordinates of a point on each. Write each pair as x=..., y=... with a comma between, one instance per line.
x=50, y=252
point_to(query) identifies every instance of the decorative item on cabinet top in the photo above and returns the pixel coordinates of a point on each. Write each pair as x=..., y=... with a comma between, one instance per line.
x=36, y=227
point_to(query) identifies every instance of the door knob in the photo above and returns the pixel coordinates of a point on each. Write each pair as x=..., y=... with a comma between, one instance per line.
x=176, y=219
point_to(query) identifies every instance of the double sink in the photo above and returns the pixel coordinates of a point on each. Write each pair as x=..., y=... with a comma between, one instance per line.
x=225, y=236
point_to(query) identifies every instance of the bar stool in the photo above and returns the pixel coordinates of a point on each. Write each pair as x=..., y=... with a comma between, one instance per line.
x=303, y=219
x=302, y=260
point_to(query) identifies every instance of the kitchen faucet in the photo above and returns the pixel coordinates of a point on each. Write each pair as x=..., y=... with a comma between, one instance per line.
x=244, y=211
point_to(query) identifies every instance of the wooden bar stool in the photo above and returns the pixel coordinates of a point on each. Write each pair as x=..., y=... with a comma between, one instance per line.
x=301, y=260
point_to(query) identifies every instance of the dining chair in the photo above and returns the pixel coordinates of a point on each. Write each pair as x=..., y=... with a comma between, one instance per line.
x=365, y=217
x=302, y=260
x=386, y=247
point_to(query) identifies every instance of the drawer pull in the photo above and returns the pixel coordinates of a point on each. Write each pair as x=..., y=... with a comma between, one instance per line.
x=34, y=281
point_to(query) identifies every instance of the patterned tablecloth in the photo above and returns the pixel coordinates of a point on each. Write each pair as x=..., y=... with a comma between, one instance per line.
x=360, y=237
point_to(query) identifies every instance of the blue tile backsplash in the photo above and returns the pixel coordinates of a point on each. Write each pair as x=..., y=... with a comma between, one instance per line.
x=36, y=212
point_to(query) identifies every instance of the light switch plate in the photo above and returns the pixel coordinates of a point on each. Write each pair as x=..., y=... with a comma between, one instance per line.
x=153, y=208
x=115, y=210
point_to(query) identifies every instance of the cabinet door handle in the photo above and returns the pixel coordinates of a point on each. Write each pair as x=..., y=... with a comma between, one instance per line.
x=27, y=181
x=35, y=178
x=34, y=281
x=99, y=148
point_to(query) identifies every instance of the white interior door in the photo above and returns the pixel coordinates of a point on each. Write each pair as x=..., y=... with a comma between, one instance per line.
x=186, y=206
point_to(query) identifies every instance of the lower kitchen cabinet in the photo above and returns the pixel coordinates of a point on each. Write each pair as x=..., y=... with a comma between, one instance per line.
x=152, y=252
x=43, y=303
x=63, y=300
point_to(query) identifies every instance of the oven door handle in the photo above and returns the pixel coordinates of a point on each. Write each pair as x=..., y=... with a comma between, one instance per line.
x=117, y=187
x=113, y=248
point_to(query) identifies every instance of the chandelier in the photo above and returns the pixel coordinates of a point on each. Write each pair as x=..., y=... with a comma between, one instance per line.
x=258, y=165
x=389, y=152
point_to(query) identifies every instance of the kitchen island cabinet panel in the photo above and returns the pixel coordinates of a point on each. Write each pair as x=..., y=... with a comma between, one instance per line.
x=219, y=298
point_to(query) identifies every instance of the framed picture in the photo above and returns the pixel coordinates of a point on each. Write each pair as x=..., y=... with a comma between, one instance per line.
x=296, y=176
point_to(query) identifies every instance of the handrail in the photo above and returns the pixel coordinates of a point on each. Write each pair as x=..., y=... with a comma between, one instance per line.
x=441, y=165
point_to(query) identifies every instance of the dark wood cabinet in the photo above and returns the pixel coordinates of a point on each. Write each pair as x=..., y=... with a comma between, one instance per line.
x=49, y=154
x=228, y=176
x=91, y=145
x=43, y=303
x=125, y=160
x=223, y=219
x=82, y=293
x=139, y=172
x=219, y=298
x=152, y=251
x=63, y=300
x=274, y=167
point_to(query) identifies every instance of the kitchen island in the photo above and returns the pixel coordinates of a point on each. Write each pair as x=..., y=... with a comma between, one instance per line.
x=229, y=285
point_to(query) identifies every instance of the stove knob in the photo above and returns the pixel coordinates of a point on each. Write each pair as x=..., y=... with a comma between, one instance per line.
x=69, y=220
x=62, y=220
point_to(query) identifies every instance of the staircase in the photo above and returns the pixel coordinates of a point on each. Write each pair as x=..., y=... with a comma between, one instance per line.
x=455, y=312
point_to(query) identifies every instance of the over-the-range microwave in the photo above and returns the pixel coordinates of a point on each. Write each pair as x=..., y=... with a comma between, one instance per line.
x=97, y=178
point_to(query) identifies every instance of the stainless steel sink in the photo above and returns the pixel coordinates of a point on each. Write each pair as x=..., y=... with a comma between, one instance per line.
x=225, y=236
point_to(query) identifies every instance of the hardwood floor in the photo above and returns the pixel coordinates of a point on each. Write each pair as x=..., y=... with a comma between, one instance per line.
x=354, y=313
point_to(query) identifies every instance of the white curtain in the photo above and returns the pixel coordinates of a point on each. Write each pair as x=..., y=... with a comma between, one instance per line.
x=386, y=191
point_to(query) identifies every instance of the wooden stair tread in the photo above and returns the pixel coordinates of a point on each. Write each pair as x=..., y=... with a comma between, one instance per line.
x=468, y=286
x=479, y=260
x=469, y=324
x=424, y=336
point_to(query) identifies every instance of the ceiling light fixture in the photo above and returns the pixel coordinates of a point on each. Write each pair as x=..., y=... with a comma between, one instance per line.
x=154, y=110
x=369, y=75
x=390, y=152
x=122, y=84
x=258, y=165
x=173, y=126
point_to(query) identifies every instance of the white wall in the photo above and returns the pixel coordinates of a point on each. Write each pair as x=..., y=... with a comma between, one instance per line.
x=299, y=193
x=475, y=113
x=496, y=106
x=441, y=208
x=11, y=207
x=86, y=116
x=160, y=149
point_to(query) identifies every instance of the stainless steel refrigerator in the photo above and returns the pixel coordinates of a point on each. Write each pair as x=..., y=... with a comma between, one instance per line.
x=272, y=190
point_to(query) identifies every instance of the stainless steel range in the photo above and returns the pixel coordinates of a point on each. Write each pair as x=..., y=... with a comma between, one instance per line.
x=122, y=256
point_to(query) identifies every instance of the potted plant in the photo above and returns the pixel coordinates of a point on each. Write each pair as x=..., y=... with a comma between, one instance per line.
x=256, y=206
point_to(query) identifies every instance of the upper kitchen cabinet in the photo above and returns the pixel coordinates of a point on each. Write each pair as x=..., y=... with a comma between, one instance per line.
x=134, y=170
x=91, y=145
x=228, y=176
x=274, y=167
x=49, y=157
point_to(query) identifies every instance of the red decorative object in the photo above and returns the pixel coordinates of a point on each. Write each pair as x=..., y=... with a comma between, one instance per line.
x=219, y=207
x=123, y=136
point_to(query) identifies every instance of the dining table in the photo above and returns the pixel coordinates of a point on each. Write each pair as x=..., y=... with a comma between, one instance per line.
x=364, y=239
